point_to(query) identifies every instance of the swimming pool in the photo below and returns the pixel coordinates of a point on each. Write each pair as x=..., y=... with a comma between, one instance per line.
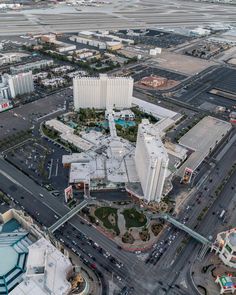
x=120, y=122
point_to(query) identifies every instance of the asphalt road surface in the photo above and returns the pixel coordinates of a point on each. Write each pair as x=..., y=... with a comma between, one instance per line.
x=135, y=272
x=122, y=14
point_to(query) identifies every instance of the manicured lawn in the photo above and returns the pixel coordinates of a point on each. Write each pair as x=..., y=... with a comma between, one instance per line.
x=103, y=214
x=133, y=218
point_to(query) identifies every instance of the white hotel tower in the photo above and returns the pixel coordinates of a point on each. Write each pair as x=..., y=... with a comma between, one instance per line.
x=102, y=92
x=19, y=84
x=151, y=160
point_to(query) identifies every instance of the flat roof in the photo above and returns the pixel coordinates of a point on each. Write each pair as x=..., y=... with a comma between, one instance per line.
x=77, y=141
x=202, y=138
x=54, y=269
x=152, y=140
x=79, y=172
x=75, y=157
x=59, y=126
x=157, y=111
x=67, y=134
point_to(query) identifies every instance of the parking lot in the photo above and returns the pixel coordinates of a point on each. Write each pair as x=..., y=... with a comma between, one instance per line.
x=145, y=71
x=198, y=94
x=41, y=160
x=156, y=38
x=27, y=116
x=31, y=158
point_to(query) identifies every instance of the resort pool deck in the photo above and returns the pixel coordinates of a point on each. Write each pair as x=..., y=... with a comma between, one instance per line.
x=120, y=122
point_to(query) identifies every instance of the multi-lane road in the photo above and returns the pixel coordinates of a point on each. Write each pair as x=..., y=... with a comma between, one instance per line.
x=136, y=273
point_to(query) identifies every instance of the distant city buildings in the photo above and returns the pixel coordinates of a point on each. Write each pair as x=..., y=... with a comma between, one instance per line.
x=38, y=65
x=9, y=58
x=151, y=160
x=102, y=92
x=59, y=46
x=102, y=40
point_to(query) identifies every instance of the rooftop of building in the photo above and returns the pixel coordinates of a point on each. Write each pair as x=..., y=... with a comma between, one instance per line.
x=152, y=140
x=46, y=271
x=201, y=139
x=79, y=172
x=157, y=111
x=75, y=157
x=59, y=126
x=104, y=77
x=29, y=263
x=67, y=134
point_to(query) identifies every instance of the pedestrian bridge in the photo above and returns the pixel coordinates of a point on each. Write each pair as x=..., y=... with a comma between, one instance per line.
x=68, y=216
x=188, y=230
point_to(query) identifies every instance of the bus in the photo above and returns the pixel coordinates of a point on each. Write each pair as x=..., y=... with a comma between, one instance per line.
x=222, y=213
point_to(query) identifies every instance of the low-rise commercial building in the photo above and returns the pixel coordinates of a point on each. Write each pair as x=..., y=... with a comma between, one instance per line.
x=201, y=140
x=67, y=135
x=9, y=58
x=41, y=64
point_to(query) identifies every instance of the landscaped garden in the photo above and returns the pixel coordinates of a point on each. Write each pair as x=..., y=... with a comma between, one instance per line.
x=126, y=224
x=133, y=218
x=108, y=216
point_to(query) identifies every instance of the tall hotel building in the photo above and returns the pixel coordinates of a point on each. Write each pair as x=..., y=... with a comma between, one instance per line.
x=19, y=84
x=151, y=160
x=102, y=92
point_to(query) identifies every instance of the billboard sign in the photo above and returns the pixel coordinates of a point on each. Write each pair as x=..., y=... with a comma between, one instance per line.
x=187, y=175
x=68, y=193
x=4, y=106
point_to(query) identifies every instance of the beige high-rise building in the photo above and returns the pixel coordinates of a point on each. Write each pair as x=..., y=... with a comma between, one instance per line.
x=102, y=92
x=151, y=160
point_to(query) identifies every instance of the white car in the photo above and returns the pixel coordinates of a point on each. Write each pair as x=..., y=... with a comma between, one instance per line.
x=118, y=278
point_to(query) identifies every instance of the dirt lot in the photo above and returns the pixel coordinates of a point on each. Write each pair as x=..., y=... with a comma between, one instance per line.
x=181, y=63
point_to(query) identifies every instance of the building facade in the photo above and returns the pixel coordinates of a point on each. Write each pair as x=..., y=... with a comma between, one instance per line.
x=103, y=92
x=225, y=247
x=37, y=65
x=20, y=84
x=151, y=160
